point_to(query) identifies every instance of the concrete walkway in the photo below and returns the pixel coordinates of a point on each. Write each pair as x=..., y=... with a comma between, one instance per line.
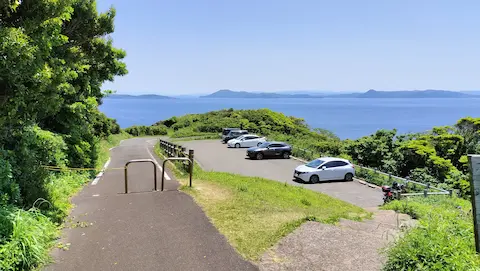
x=142, y=230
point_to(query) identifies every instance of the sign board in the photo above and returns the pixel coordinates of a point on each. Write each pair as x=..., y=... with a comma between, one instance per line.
x=475, y=190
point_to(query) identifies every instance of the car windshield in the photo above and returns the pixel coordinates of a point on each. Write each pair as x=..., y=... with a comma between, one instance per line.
x=264, y=145
x=240, y=137
x=315, y=163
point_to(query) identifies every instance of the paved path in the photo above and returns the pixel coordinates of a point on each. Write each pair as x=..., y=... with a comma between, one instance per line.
x=213, y=155
x=142, y=230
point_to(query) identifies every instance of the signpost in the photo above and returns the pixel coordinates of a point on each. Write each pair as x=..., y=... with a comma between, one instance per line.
x=475, y=190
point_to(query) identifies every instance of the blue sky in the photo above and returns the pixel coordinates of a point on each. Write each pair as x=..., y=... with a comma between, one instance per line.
x=201, y=46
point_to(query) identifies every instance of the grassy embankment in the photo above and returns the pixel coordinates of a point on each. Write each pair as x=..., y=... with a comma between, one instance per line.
x=444, y=240
x=26, y=236
x=254, y=213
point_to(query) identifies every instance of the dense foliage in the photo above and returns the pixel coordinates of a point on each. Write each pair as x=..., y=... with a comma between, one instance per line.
x=147, y=130
x=444, y=240
x=437, y=157
x=54, y=57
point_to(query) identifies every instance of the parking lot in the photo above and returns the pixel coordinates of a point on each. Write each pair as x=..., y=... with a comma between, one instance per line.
x=213, y=155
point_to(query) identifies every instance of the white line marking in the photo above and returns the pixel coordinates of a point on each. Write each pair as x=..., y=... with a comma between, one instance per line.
x=99, y=175
x=156, y=163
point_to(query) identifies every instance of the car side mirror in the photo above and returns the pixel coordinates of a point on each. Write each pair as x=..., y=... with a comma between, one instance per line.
x=324, y=167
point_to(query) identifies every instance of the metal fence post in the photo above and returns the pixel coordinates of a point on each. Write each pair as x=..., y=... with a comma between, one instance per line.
x=425, y=192
x=190, y=156
x=126, y=180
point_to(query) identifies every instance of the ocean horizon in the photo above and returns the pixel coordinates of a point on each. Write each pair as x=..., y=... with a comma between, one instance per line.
x=346, y=117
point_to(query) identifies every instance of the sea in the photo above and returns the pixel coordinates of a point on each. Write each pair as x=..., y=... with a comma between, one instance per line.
x=346, y=117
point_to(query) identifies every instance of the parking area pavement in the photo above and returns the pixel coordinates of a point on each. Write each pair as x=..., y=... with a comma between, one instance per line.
x=213, y=155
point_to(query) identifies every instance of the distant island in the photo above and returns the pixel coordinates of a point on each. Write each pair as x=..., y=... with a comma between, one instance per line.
x=225, y=93
x=144, y=96
x=405, y=94
x=230, y=94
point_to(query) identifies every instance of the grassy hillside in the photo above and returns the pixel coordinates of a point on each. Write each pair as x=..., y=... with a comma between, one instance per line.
x=437, y=157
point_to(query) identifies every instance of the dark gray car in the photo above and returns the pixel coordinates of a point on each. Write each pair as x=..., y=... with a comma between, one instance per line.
x=270, y=149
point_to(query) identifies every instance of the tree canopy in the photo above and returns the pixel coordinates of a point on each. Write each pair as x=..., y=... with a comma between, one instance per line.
x=54, y=57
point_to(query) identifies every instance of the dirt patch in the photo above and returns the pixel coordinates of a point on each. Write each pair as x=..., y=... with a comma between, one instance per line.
x=350, y=245
x=211, y=193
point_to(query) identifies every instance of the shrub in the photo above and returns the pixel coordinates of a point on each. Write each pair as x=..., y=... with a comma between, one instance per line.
x=444, y=240
x=9, y=189
x=25, y=238
x=147, y=130
x=35, y=149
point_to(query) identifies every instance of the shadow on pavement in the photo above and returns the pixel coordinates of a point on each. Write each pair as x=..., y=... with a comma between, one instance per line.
x=333, y=181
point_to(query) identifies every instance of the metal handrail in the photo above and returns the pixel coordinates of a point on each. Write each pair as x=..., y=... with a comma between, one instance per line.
x=404, y=179
x=141, y=161
x=177, y=159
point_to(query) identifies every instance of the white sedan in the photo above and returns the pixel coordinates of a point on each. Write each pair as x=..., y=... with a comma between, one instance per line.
x=325, y=169
x=246, y=141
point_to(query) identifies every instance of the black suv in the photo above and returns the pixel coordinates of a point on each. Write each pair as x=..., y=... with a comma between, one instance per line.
x=270, y=149
x=233, y=134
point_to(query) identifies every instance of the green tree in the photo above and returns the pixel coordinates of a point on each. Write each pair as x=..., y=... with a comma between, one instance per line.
x=55, y=57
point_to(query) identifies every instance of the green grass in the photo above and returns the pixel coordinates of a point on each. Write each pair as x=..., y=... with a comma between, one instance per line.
x=444, y=240
x=26, y=236
x=255, y=213
x=106, y=144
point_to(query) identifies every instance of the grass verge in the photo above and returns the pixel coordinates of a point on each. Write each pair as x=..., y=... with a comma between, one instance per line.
x=255, y=213
x=26, y=236
x=444, y=240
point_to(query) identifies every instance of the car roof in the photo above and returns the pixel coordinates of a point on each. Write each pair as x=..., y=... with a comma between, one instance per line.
x=250, y=135
x=328, y=159
x=277, y=142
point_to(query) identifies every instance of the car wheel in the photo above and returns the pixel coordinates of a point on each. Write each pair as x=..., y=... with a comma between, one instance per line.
x=237, y=145
x=314, y=179
x=349, y=177
x=259, y=156
x=286, y=155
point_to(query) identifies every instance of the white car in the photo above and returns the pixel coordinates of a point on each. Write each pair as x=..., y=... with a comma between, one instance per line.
x=246, y=141
x=325, y=169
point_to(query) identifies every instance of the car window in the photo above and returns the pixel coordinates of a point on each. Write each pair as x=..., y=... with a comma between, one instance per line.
x=335, y=164
x=329, y=164
x=249, y=137
x=315, y=163
x=264, y=145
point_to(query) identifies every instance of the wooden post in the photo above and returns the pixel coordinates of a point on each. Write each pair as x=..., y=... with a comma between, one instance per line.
x=191, y=157
x=474, y=161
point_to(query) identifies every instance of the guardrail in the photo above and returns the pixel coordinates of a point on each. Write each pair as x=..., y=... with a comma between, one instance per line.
x=176, y=150
x=410, y=184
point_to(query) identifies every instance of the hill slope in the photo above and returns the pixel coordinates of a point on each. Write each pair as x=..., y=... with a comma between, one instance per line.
x=225, y=93
x=405, y=94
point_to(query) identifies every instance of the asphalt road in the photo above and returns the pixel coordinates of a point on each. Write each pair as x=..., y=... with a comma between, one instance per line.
x=213, y=155
x=142, y=230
